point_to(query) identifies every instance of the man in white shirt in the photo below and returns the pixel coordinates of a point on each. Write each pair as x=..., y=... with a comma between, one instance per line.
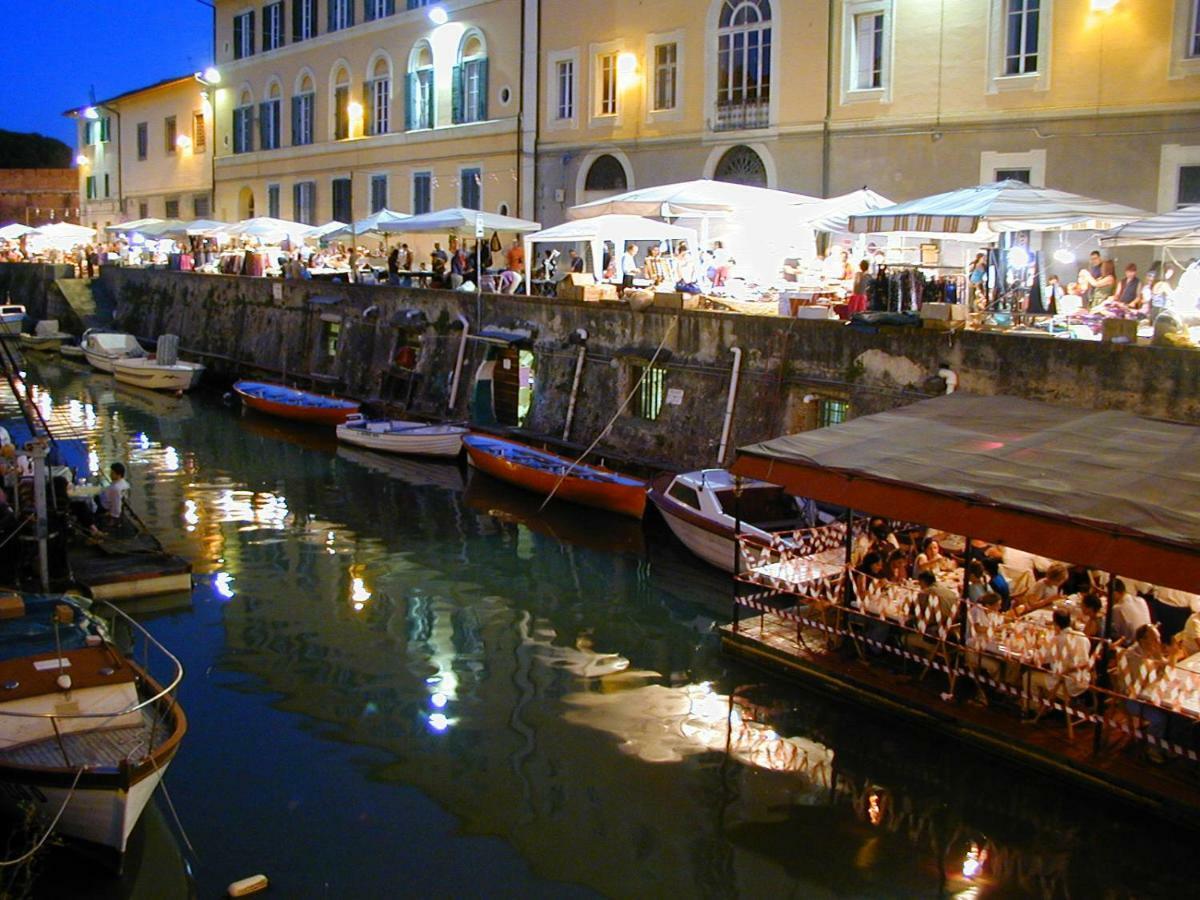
x=112, y=498
x=1130, y=613
x=629, y=267
x=1065, y=661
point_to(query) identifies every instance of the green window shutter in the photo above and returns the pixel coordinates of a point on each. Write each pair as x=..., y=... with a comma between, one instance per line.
x=456, y=95
x=481, y=113
x=410, y=100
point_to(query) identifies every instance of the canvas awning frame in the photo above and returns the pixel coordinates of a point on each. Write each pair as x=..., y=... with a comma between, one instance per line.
x=1105, y=545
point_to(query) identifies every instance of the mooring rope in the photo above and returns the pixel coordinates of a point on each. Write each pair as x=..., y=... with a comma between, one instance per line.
x=49, y=831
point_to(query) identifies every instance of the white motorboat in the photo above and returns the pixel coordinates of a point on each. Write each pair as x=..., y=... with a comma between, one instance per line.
x=147, y=372
x=702, y=511
x=12, y=319
x=71, y=351
x=103, y=348
x=394, y=436
x=86, y=733
x=46, y=336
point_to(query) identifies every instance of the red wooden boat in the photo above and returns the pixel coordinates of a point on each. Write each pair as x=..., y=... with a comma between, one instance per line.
x=541, y=472
x=289, y=403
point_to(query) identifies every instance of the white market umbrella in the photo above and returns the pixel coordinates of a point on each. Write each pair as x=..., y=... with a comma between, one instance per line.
x=833, y=214
x=329, y=229
x=1177, y=228
x=688, y=199
x=598, y=229
x=989, y=209
x=135, y=226
x=160, y=229
x=60, y=236
x=15, y=231
x=270, y=230
x=460, y=220
x=385, y=221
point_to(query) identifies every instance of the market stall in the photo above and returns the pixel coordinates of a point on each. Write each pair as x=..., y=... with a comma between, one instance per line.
x=594, y=231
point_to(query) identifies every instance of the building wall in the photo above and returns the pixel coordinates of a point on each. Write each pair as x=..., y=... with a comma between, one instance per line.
x=179, y=173
x=1111, y=108
x=36, y=196
x=443, y=151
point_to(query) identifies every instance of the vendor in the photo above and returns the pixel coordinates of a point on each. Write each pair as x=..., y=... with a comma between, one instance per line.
x=629, y=268
x=791, y=265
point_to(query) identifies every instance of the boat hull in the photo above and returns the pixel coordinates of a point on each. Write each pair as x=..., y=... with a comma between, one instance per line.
x=712, y=541
x=71, y=351
x=157, y=378
x=627, y=499
x=436, y=441
x=101, y=362
x=314, y=415
x=49, y=343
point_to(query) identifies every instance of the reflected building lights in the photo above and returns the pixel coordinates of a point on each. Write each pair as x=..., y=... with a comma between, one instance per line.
x=223, y=585
x=171, y=459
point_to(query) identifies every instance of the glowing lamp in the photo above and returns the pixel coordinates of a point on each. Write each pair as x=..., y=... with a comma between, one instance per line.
x=626, y=66
x=212, y=76
x=1103, y=5
x=438, y=15
x=183, y=142
x=1018, y=257
x=1064, y=256
x=91, y=113
x=82, y=160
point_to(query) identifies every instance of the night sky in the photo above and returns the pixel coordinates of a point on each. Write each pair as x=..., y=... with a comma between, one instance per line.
x=55, y=51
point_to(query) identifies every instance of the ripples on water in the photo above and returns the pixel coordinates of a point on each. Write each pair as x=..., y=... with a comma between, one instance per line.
x=405, y=679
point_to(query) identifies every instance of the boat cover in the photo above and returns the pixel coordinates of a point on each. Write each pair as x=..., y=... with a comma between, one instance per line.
x=1101, y=488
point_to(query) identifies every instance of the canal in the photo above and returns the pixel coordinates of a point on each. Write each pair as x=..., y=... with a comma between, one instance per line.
x=402, y=678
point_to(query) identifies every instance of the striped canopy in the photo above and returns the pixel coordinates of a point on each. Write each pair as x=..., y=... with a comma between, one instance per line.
x=1177, y=228
x=994, y=208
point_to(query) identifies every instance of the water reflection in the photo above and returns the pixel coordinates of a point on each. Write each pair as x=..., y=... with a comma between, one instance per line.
x=546, y=679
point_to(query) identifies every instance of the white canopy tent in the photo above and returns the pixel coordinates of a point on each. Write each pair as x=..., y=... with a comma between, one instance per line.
x=460, y=220
x=1178, y=228
x=134, y=226
x=60, y=236
x=688, y=199
x=987, y=210
x=270, y=230
x=385, y=221
x=833, y=214
x=193, y=228
x=14, y=231
x=595, y=230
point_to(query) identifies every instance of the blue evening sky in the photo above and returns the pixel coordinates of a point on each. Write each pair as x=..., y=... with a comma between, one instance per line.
x=56, y=51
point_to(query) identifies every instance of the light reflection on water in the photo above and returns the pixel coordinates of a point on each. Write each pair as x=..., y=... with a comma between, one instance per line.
x=539, y=676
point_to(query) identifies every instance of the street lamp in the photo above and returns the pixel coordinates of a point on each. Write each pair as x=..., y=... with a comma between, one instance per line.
x=82, y=160
x=438, y=15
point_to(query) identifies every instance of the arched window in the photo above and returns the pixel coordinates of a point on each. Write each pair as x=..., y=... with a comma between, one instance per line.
x=243, y=122
x=743, y=64
x=304, y=103
x=741, y=165
x=470, y=87
x=418, y=106
x=377, y=93
x=270, y=117
x=606, y=174
x=341, y=102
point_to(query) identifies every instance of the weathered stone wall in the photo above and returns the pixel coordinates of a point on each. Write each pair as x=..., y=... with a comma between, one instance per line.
x=29, y=285
x=240, y=324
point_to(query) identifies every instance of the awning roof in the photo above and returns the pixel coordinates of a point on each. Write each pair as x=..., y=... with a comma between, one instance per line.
x=1105, y=489
x=688, y=198
x=494, y=335
x=1177, y=228
x=999, y=207
x=461, y=220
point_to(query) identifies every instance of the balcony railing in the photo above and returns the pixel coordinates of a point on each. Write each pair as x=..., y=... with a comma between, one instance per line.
x=742, y=115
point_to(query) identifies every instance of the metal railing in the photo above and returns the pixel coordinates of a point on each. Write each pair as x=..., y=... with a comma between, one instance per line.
x=742, y=115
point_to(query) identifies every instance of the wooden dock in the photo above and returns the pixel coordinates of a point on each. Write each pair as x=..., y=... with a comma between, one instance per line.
x=1171, y=790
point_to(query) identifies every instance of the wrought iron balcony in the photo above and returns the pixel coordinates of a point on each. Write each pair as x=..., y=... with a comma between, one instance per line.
x=742, y=115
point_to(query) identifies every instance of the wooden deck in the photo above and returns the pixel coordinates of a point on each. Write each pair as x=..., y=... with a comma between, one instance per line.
x=100, y=748
x=1171, y=790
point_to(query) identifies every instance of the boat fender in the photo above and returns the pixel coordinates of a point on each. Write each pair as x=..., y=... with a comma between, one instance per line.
x=64, y=682
x=227, y=397
x=251, y=885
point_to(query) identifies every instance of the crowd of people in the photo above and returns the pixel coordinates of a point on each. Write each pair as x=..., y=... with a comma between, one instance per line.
x=1030, y=631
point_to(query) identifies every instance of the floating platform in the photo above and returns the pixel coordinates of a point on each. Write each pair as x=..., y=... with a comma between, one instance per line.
x=125, y=569
x=770, y=641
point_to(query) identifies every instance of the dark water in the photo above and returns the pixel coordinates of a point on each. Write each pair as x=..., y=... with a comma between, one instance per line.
x=403, y=680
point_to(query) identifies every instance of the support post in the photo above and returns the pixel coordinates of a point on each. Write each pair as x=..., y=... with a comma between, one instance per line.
x=37, y=450
x=1102, y=675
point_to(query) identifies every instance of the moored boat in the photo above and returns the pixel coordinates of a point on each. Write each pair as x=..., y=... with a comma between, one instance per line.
x=701, y=510
x=12, y=318
x=71, y=351
x=544, y=473
x=103, y=348
x=147, y=372
x=290, y=403
x=417, y=438
x=46, y=336
x=86, y=733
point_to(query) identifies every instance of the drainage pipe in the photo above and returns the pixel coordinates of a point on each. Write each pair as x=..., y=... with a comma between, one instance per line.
x=733, y=386
x=458, y=364
x=582, y=334
x=950, y=377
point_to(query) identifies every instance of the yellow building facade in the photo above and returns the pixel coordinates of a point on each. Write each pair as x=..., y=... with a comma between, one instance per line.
x=146, y=153
x=910, y=97
x=335, y=109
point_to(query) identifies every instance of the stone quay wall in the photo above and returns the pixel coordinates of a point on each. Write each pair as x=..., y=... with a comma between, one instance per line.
x=347, y=337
